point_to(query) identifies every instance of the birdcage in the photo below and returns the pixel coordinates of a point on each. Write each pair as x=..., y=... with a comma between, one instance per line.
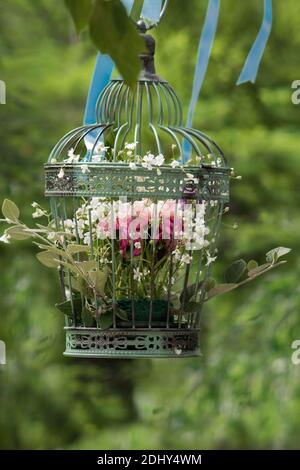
x=138, y=199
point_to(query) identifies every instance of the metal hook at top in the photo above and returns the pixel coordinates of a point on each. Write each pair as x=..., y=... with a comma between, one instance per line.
x=143, y=25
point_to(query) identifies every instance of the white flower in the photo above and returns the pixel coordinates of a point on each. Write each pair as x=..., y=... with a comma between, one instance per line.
x=175, y=164
x=5, y=238
x=130, y=146
x=132, y=166
x=101, y=148
x=137, y=275
x=84, y=169
x=158, y=171
x=69, y=223
x=210, y=259
x=186, y=258
x=159, y=160
x=35, y=205
x=148, y=161
x=96, y=158
x=177, y=255
x=38, y=213
x=61, y=173
x=72, y=157
x=137, y=245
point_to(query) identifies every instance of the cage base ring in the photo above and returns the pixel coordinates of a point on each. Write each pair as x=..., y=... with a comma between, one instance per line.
x=138, y=343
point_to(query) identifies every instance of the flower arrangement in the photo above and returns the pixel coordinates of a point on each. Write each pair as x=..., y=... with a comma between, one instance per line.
x=113, y=253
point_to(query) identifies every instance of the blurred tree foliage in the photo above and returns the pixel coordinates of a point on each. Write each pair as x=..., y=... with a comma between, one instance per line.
x=244, y=391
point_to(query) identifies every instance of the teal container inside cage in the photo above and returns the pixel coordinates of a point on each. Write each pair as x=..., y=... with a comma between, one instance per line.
x=139, y=296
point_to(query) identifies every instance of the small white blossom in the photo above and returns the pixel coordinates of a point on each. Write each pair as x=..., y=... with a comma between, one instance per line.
x=210, y=259
x=175, y=164
x=38, y=213
x=158, y=171
x=137, y=275
x=5, y=238
x=85, y=169
x=132, y=166
x=101, y=148
x=186, y=258
x=72, y=157
x=137, y=245
x=159, y=160
x=35, y=205
x=96, y=158
x=130, y=147
x=61, y=173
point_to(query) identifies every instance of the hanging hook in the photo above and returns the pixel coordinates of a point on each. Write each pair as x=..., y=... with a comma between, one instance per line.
x=142, y=23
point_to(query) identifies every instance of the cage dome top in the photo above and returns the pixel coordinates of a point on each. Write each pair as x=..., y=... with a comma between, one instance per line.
x=134, y=124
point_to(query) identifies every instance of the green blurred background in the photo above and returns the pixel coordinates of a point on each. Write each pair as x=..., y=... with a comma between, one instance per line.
x=244, y=391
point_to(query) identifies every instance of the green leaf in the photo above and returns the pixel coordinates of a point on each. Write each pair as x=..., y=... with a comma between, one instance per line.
x=273, y=255
x=189, y=292
x=10, y=210
x=80, y=11
x=220, y=289
x=87, y=266
x=192, y=307
x=18, y=233
x=98, y=279
x=209, y=284
x=47, y=259
x=106, y=321
x=122, y=314
x=66, y=307
x=115, y=34
x=87, y=318
x=73, y=249
x=252, y=264
x=259, y=269
x=235, y=271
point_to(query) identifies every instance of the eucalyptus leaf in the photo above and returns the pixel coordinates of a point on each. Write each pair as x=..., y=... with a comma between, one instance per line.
x=192, y=307
x=252, y=264
x=273, y=255
x=67, y=309
x=122, y=314
x=209, y=284
x=99, y=279
x=260, y=269
x=17, y=232
x=47, y=259
x=74, y=249
x=87, y=266
x=221, y=289
x=106, y=321
x=189, y=292
x=10, y=210
x=235, y=271
x=87, y=318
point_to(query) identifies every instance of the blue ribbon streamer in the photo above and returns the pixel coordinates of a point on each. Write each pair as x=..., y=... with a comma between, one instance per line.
x=251, y=66
x=151, y=10
x=204, y=50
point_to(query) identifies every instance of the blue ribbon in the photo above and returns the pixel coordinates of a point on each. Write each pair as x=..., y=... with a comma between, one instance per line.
x=102, y=74
x=253, y=60
x=204, y=50
x=151, y=10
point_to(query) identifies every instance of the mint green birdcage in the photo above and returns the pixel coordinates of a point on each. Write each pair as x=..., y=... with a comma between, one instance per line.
x=139, y=312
